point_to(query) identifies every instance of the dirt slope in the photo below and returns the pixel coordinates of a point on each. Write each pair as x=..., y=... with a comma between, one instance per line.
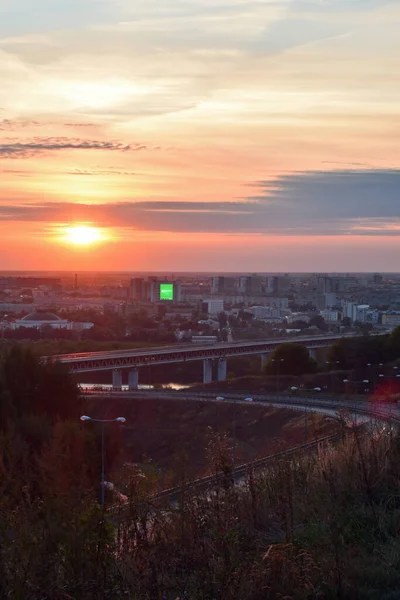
x=165, y=431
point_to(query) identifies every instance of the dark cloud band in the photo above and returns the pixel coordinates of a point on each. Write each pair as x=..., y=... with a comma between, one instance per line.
x=39, y=145
x=309, y=203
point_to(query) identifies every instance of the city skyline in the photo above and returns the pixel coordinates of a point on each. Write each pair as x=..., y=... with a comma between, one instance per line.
x=235, y=136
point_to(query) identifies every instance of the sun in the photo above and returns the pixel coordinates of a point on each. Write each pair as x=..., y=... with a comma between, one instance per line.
x=83, y=235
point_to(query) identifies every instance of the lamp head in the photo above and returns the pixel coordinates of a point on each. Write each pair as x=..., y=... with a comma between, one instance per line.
x=85, y=418
x=121, y=420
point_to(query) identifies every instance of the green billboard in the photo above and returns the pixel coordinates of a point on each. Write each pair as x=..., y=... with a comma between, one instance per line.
x=166, y=291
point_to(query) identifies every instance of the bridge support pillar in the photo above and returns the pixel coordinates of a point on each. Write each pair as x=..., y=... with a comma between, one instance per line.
x=117, y=380
x=264, y=360
x=313, y=353
x=222, y=369
x=133, y=379
x=207, y=370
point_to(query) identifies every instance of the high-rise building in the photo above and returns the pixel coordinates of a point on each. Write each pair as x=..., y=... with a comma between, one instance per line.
x=243, y=285
x=326, y=285
x=139, y=289
x=250, y=285
x=284, y=284
x=349, y=310
x=213, y=306
x=223, y=285
x=217, y=285
x=255, y=285
x=272, y=285
x=328, y=300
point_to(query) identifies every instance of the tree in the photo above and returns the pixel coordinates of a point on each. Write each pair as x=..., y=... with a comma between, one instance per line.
x=318, y=321
x=299, y=325
x=358, y=352
x=346, y=322
x=291, y=359
x=223, y=320
x=29, y=386
x=393, y=344
x=365, y=328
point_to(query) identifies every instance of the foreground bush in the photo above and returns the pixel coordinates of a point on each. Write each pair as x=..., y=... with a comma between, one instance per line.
x=323, y=526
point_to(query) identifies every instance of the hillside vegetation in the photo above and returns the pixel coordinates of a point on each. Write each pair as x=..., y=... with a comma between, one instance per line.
x=318, y=527
x=322, y=527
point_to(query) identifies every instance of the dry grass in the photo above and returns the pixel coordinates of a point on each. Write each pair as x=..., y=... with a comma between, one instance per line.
x=318, y=527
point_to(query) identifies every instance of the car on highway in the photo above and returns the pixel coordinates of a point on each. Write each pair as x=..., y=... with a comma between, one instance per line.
x=248, y=400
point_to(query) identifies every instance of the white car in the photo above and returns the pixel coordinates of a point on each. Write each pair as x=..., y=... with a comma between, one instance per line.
x=248, y=400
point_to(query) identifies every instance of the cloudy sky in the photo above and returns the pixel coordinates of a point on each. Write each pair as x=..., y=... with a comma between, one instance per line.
x=258, y=135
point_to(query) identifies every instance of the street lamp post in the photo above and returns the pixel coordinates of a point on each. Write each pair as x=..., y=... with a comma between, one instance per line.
x=220, y=399
x=103, y=422
x=3, y=327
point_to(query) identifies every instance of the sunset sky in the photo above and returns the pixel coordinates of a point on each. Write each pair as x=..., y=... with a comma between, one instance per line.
x=213, y=135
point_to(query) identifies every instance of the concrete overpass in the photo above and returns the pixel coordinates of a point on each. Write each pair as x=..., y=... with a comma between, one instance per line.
x=116, y=360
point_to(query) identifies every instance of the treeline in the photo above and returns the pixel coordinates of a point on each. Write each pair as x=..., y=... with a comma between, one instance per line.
x=355, y=353
x=49, y=462
x=62, y=346
x=96, y=333
x=348, y=353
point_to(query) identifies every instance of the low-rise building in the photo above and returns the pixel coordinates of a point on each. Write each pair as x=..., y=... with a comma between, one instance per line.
x=213, y=306
x=366, y=314
x=391, y=319
x=264, y=312
x=330, y=316
x=37, y=320
x=294, y=317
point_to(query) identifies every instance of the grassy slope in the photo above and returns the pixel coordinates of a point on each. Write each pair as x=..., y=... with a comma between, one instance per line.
x=166, y=430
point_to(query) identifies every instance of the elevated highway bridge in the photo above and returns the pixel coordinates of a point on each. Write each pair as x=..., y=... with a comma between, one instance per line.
x=116, y=360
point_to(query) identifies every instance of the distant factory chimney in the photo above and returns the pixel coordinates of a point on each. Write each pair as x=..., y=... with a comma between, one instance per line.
x=76, y=281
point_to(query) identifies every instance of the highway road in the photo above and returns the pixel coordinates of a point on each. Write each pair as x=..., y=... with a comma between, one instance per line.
x=324, y=405
x=362, y=412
